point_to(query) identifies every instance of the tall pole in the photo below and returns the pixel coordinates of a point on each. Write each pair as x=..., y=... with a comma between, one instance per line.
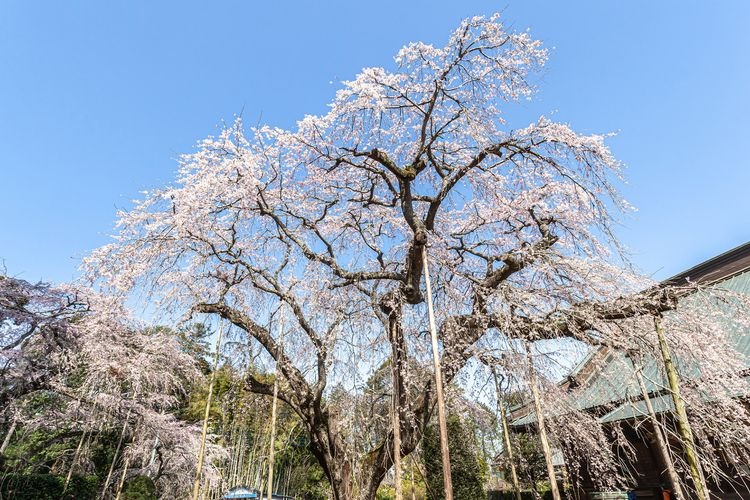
x=542, y=428
x=201, y=453
x=442, y=421
x=413, y=491
x=683, y=424
x=272, y=445
x=9, y=435
x=506, y=435
x=396, y=422
x=660, y=440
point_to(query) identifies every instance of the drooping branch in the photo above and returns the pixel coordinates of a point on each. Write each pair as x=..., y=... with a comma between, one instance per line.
x=300, y=387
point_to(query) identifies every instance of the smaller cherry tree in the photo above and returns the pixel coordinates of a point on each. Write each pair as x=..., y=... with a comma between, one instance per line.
x=100, y=372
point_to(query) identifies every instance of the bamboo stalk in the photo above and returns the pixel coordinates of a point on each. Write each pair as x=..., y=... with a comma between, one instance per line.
x=683, y=424
x=117, y=450
x=660, y=440
x=197, y=484
x=272, y=444
x=506, y=435
x=542, y=429
x=442, y=421
x=75, y=459
x=122, y=479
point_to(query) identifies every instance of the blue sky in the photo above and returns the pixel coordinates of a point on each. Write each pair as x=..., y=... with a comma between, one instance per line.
x=97, y=99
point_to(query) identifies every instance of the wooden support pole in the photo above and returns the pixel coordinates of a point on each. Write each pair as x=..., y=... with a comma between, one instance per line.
x=442, y=420
x=683, y=424
x=506, y=435
x=272, y=444
x=542, y=428
x=9, y=435
x=660, y=439
x=201, y=452
x=396, y=421
x=413, y=488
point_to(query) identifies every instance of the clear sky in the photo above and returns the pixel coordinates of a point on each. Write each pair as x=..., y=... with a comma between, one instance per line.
x=97, y=99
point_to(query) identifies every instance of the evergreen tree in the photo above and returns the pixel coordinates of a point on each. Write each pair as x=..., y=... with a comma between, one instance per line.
x=468, y=469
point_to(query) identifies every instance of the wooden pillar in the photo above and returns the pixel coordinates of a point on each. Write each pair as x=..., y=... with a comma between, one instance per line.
x=117, y=449
x=442, y=420
x=272, y=445
x=201, y=452
x=75, y=461
x=542, y=428
x=9, y=435
x=506, y=434
x=660, y=439
x=683, y=424
x=396, y=421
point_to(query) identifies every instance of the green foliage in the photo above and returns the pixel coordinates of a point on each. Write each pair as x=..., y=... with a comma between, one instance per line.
x=48, y=487
x=236, y=412
x=385, y=493
x=530, y=462
x=139, y=488
x=305, y=473
x=193, y=340
x=468, y=469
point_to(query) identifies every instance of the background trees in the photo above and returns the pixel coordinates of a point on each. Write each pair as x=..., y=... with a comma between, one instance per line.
x=468, y=466
x=87, y=391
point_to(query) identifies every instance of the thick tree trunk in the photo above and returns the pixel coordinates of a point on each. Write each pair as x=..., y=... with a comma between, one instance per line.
x=336, y=465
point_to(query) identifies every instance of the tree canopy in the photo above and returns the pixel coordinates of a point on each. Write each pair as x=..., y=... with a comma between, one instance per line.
x=327, y=223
